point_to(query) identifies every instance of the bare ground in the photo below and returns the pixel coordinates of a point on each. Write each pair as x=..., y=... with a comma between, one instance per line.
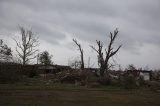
x=78, y=97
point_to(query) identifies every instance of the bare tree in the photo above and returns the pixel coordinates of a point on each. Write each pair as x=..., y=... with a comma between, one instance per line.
x=81, y=51
x=26, y=47
x=104, y=61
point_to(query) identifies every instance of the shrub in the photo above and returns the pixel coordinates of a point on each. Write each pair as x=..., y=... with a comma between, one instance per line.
x=130, y=82
x=141, y=81
x=32, y=73
x=106, y=80
x=9, y=76
x=29, y=71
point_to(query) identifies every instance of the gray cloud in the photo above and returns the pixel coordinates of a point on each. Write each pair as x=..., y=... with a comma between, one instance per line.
x=87, y=20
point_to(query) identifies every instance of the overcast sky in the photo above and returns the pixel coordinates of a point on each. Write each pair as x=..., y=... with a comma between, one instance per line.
x=56, y=22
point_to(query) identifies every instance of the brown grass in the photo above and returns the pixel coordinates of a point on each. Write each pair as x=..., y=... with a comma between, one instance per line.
x=78, y=97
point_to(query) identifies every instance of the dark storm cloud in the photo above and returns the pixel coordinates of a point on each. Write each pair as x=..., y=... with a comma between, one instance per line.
x=137, y=20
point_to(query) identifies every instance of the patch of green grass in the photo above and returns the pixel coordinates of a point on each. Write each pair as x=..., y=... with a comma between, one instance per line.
x=109, y=87
x=35, y=83
x=37, y=86
x=47, y=85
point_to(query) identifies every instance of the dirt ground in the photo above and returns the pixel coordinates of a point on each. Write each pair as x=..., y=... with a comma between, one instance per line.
x=78, y=97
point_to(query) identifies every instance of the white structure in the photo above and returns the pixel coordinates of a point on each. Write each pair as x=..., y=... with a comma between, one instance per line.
x=146, y=75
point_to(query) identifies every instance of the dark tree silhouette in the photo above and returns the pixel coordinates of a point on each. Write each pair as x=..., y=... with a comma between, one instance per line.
x=81, y=51
x=104, y=61
x=5, y=52
x=45, y=58
x=26, y=47
x=131, y=67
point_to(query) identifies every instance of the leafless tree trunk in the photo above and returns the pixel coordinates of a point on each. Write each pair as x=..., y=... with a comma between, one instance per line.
x=81, y=51
x=26, y=47
x=104, y=61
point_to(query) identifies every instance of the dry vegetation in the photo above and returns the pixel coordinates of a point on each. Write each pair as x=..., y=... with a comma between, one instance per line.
x=78, y=97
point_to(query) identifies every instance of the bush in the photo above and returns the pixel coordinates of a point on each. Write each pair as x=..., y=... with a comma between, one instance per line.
x=9, y=76
x=141, y=81
x=130, y=82
x=29, y=71
x=153, y=85
x=32, y=74
x=10, y=73
x=106, y=80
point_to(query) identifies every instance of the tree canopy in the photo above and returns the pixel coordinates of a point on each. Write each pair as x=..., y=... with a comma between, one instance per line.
x=5, y=52
x=45, y=58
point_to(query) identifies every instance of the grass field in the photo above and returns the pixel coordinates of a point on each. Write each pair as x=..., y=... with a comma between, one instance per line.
x=70, y=95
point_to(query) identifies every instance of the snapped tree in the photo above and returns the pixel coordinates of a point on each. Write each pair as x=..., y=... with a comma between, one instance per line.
x=26, y=46
x=81, y=52
x=110, y=52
